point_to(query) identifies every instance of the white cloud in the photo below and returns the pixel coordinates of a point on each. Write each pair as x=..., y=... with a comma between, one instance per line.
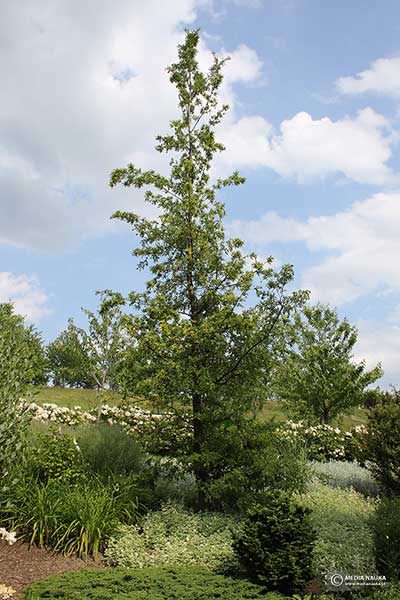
x=380, y=342
x=24, y=291
x=85, y=90
x=304, y=149
x=363, y=245
x=383, y=77
x=244, y=65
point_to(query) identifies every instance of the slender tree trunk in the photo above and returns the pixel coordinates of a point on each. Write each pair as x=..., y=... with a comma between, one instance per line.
x=200, y=473
x=324, y=418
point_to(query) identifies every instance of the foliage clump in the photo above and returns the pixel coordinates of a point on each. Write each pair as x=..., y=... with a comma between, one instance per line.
x=108, y=449
x=387, y=535
x=22, y=363
x=55, y=457
x=57, y=499
x=173, y=536
x=343, y=521
x=346, y=475
x=382, y=445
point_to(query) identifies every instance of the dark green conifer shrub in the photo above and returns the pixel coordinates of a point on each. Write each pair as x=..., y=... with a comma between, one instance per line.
x=275, y=544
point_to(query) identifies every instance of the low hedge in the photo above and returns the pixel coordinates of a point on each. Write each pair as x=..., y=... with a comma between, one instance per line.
x=185, y=583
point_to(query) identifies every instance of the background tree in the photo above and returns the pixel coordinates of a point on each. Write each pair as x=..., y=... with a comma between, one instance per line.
x=30, y=343
x=318, y=378
x=92, y=357
x=68, y=362
x=201, y=343
x=103, y=342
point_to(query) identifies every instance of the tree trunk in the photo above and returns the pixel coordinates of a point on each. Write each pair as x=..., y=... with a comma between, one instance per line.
x=324, y=418
x=198, y=441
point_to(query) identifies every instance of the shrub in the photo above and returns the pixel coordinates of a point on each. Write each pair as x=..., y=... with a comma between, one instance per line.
x=324, y=442
x=275, y=544
x=387, y=535
x=391, y=592
x=173, y=536
x=342, y=520
x=108, y=449
x=185, y=583
x=383, y=441
x=166, y=435
x=346, y=475
x=56, y=456
x=255, y=459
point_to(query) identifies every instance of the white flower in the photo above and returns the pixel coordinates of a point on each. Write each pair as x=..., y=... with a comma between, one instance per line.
x=10, y=537
x=6, y=592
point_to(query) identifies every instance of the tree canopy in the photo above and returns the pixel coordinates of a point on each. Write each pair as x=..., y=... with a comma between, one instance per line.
x=318, y=377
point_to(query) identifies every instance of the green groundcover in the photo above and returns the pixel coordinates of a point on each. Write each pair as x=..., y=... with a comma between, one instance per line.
x=186, y=583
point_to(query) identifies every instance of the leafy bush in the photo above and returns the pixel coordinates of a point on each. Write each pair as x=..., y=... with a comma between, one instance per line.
x=383, y=441
x=55, y=456
x=342, y=520
x=387, y=535
x=166, y=435
x=108, y=449
x=189, y=583
x=77, y=518
x=174, y=536
x=253, y=458
x=346, y=475
x=275, y=544
x=391, y=592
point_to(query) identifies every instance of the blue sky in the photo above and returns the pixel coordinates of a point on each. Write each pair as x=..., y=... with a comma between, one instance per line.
x=314, y=126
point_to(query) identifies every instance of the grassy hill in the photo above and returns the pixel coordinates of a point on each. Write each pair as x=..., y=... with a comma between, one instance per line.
x=87, y=399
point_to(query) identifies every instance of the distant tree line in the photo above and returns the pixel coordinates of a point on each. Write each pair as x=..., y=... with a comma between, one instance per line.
x=312, y=371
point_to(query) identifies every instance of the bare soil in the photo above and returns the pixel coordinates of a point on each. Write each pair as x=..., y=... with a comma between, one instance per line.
x=21, y=565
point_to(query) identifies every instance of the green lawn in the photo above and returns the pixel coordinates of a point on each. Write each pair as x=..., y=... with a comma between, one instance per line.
x=87, y=399
x=273, y=409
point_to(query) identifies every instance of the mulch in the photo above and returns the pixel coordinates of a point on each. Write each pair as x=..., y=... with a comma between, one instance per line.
x=21, y=565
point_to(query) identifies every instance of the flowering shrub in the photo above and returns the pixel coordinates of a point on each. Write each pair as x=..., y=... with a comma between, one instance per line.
x=159, y=434
x=324, y=442
x=9, y=537
x=60, y=414
x=169, y=433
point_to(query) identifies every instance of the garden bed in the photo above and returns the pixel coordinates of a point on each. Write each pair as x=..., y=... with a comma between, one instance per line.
x=21, y=565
